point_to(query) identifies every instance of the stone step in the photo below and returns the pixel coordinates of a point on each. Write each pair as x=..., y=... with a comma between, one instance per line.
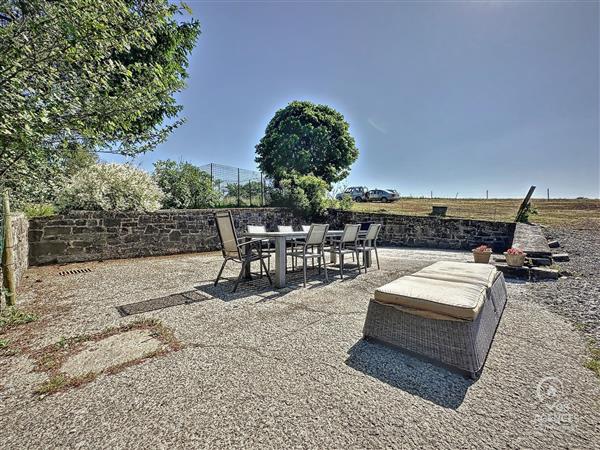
x=531, y=239
x=560, y=257
x=528, y=273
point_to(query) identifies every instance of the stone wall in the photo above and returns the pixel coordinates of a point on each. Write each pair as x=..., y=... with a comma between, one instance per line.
x=432, y=232
x=97, y=235
x=20, y=249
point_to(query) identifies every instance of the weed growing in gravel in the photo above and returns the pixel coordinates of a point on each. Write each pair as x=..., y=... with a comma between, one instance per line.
x=60, y=382
x=593, y=363
x=51, y=357
x=4, y=343
x=11, y=317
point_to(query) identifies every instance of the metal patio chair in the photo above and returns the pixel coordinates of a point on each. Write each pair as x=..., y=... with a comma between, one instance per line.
x=268, y=246
x=368, y=243
x=315, y=240
x=347, y=244
x=237, y=250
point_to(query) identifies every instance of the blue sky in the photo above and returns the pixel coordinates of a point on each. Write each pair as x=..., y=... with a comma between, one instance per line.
x=443, y=96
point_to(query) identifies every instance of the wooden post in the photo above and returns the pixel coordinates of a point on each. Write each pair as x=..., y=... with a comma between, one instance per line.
x=548, y=193
x=8, y=257
x=525, y=203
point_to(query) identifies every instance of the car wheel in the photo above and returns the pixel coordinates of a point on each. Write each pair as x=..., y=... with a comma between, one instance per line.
x=357, y=199
x=384, y=199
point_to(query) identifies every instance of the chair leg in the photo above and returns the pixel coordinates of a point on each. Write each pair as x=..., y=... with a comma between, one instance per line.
x=342, y=265
x=325, y=267
x=239, y=278
x=262, y=262
x=377, y=257
x=304, y=270
x=220, y=272
x=364, y=260
x=357, y=260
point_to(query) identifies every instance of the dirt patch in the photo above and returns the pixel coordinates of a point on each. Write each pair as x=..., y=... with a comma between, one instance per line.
x=79, y=360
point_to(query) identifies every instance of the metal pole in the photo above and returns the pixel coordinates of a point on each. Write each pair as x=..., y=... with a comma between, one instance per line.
x=250, y=191
x=262, y=191
x=211, y=175
x=548, y=193
x=238, y=188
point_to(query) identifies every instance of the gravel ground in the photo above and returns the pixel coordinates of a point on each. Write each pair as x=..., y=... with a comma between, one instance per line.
x=288, y=369
x=576, y=296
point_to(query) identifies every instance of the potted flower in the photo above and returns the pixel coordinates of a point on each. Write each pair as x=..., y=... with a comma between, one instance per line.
x=515, y=257
x=482, y=254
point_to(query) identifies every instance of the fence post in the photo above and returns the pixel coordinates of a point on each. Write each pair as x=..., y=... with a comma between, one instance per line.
x=212, y=181
x=250, y=191
x=8, y=259
x=238, y=188
x=262, y=191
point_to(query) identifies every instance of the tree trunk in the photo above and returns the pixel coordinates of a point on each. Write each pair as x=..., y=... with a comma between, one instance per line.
x=8, y=257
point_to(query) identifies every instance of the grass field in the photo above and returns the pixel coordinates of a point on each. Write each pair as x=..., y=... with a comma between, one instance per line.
x=575, y=213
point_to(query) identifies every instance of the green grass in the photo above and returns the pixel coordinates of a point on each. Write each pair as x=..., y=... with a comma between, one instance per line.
x=593, y=362
x=4, y=343
x=12, y=317
x=32, y=210
x=584, y=213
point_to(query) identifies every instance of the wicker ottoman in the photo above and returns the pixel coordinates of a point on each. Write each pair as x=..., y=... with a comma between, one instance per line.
x=446, y=314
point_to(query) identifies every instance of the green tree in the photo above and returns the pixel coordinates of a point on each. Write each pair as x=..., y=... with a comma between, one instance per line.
x=306, y=194
x=305, y=138
x=185, y=185
x=250, y=192
x=88, y=74
x=111, y=187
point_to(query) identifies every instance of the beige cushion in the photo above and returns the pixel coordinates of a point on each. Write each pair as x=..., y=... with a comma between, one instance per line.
x=446, y=298
x=478, y=274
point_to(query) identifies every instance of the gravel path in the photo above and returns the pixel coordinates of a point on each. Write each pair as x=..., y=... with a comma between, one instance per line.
x=288, y=369
x=576, y=296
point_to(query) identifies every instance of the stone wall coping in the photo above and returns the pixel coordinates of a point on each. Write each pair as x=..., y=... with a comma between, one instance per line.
x=392, y=214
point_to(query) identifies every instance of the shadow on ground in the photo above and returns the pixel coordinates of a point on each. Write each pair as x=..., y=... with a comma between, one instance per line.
x=402, y=371
x=260, y=287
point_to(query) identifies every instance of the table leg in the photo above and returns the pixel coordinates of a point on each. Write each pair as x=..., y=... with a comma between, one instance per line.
x=367, y=259
x=280, y=262
x=247, y=274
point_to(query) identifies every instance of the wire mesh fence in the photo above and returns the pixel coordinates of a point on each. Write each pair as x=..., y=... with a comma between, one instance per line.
x=239, y=187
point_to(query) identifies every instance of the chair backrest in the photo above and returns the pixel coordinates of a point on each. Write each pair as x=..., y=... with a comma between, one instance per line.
x=227, y=234
x=306, y=228
x=257, y=229
x=350, y=233
x=316, y=234
x=373, y=232
x=285, y=228
x=364, y=226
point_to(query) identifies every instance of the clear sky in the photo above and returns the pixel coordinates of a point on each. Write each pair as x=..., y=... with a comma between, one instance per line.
x=443, y=96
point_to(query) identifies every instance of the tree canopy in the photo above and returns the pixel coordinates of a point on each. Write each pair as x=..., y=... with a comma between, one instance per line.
x=185, y=186
x=88, y=74
x=305, y=138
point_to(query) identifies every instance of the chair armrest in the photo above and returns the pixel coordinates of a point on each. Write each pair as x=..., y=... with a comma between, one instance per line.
x=252, y=241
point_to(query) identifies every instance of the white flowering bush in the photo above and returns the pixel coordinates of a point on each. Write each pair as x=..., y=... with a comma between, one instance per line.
x=111, y=187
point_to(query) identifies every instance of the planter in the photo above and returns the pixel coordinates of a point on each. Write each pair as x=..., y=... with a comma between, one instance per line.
x=515, y=260
x=439, y=210
x=482, y=257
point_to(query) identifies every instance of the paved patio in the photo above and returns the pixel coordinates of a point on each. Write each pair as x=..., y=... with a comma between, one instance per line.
x=266, y=368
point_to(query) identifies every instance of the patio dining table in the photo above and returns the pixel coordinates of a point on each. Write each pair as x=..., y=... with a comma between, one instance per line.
x=281, y=238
